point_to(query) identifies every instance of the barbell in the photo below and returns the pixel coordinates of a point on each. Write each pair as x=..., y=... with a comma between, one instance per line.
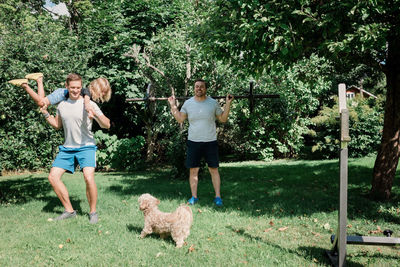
x=250, y=96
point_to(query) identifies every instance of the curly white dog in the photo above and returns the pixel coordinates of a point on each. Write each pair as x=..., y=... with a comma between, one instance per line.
x=177, y=224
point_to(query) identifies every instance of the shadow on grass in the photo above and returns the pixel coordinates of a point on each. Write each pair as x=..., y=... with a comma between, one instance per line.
x=137, y=230
x=134, y=228
x=293, y=188
x=54, y=205
x=310, y=253
x=20, y=191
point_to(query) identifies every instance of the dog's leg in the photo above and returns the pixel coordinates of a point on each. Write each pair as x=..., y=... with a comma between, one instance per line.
x=146, y=231
x=178, y=238
x=179, y=243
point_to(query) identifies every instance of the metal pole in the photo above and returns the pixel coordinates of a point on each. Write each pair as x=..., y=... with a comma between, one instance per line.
x=187, y=97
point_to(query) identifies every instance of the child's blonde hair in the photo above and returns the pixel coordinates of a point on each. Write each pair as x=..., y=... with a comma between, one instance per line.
x=100, y=90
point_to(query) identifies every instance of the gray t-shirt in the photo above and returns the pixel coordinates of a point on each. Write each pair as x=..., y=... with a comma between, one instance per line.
x=201, y=116
x=76, y=123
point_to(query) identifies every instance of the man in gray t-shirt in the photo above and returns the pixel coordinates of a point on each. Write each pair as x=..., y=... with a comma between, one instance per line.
x=79, y=146
x=202, y=111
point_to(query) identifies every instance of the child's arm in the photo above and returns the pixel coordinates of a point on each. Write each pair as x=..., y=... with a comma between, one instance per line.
x=88, y=107
x=103, y=121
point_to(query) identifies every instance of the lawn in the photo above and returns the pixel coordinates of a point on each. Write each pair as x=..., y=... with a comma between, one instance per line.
x=280, y=213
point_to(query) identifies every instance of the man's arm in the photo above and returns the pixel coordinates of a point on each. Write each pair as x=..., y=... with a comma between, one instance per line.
x=224, y=115
x=54, y=122
x=179, y=116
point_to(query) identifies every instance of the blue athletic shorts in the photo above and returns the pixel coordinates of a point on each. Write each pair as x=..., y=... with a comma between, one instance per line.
x=69, y=157
x=198, y=150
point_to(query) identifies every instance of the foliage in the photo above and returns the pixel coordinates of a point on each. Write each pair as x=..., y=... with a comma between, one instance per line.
x=129, y=154
x=260, y=33
x=176, y=155
x=119, y=154
x=108, y=34
x=276, y=127
x=106, y=147
x=365, y=127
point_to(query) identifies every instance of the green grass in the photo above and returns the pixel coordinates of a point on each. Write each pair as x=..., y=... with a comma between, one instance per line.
x=276, y=214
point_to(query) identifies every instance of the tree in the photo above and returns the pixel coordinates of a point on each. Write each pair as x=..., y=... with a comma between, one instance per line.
x=259, y=33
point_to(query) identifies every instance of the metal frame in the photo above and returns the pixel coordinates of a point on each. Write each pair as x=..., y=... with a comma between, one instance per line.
x=251, y=96
x=337, y=254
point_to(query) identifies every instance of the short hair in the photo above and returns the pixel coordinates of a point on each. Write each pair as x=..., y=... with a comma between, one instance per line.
x=100, y=90
x=73, y=77
x=201, y=80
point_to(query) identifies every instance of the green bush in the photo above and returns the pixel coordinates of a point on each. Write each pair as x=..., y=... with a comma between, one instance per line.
x=365, y=127
x=26, y=143
x=119, y=154
x=176, y=155
x=106, y=147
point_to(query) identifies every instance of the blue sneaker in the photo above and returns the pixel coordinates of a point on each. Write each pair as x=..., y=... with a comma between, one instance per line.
x=193, y=200
x=218, y=201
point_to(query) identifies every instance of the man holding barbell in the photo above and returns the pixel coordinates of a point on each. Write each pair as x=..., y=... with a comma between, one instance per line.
x=201, y=111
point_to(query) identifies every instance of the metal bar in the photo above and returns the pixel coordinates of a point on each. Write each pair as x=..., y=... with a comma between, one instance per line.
x=371, y=240
x=187, y=97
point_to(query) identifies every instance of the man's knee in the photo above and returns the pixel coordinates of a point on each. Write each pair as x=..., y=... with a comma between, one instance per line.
x=55, y=175
x=88, y=174
x=213, y=170
x=194, y=172
x=52, y=178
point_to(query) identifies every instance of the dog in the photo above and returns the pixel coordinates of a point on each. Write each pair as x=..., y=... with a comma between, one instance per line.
x=177, y=224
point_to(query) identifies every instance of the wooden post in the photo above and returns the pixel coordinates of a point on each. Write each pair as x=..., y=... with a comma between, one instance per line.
x=343, y=162
x=338, y=252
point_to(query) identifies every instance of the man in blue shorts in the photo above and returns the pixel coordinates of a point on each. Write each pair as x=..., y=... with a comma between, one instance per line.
x=202, y=111
x=79, y=146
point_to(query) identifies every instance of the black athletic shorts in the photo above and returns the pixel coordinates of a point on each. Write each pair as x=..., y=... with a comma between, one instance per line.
x=198, y=150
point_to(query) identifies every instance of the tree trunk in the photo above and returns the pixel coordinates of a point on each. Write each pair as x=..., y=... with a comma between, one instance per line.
x=188, y=70
x=389, y=151
x=151, y=138
x=73, y=16
x=149, y=120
